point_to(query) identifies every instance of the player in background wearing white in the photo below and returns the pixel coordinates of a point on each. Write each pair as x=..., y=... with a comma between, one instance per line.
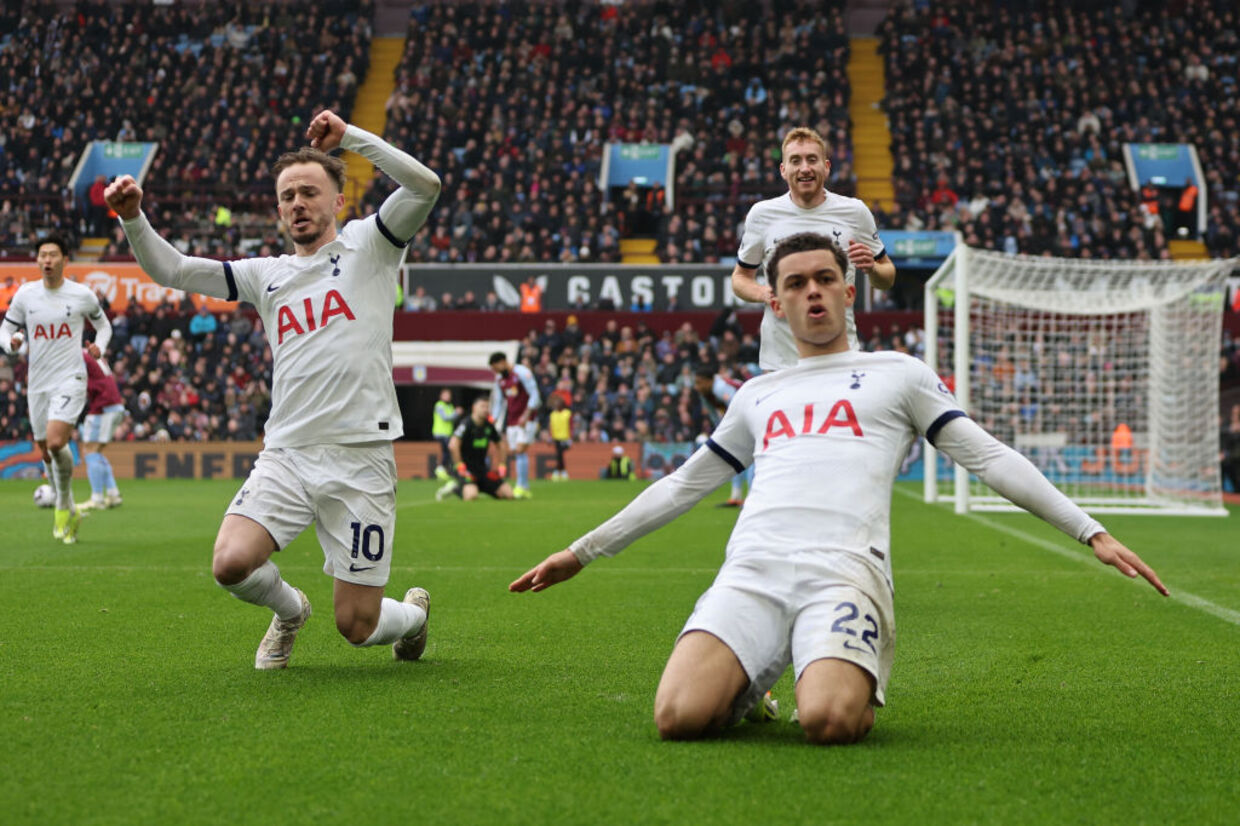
x=716, y=391
x=807, y=573
x=104, y=411
x=52, y=313
x=514, y=407
x=807, y=206
x=328, y=457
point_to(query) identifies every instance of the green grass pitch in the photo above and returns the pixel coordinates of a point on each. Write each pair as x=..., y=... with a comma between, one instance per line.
x=1029, y=686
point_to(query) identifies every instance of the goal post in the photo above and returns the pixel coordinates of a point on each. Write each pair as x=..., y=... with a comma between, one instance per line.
x=1103, y=373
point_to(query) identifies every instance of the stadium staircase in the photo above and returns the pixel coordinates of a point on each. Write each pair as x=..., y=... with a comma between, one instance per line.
x=872, y=161
x=1187, y=250
x=638, y=251
x=369, y=112
x=90, y=249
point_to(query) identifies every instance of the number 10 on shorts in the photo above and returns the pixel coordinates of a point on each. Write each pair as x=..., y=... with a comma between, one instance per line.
x=368, y=539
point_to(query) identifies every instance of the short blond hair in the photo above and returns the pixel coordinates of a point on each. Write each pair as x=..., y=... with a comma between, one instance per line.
x=803, y=133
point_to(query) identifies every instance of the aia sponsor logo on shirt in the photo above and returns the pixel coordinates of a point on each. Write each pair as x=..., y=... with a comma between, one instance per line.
x=52, y=331
x=811, y=421
x=299, y=319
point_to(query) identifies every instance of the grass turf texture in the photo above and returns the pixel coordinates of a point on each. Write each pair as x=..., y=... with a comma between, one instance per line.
x=1027, y=687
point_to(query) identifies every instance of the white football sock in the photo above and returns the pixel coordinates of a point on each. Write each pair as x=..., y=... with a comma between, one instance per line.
x=396, y=620
x=267, y=588
x=63, y=459
x=50, y=469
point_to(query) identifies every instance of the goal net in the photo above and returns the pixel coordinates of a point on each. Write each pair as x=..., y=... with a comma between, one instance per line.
x=1103, y=373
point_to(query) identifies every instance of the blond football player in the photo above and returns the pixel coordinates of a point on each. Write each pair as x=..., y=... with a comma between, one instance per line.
x=807, y=206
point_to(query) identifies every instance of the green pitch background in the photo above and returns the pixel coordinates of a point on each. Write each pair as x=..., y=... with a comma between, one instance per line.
x=1031, y=685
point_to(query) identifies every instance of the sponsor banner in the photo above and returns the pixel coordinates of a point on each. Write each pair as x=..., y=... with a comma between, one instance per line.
x=233, y=460
x=1162, y=164
x=693, y=286
x=644, y=164
x=24, y=460
x=909, y=248
x=120, y=283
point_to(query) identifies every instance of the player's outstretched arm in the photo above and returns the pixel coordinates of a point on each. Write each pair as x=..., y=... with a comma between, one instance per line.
x=160, y=260
x=1110, y=551
x=1016, y=479
x=558, y=567
x=653, y=508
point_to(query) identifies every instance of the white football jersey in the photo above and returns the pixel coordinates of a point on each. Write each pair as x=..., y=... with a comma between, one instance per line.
x=840, y=218
x=846, y=416
x=53, y=321
x=328, y=319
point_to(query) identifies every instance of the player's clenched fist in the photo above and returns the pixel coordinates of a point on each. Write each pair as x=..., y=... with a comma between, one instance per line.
x=124, y=196
x=325, y=130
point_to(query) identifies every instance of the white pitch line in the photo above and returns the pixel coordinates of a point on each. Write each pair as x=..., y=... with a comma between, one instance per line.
x=1182, y=597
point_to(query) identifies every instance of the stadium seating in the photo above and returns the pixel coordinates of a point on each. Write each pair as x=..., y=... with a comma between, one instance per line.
x=1009, y=124
x=224, y=88
x=514, y=111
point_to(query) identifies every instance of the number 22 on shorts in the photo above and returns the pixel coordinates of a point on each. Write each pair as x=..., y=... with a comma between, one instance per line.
x=848, y=614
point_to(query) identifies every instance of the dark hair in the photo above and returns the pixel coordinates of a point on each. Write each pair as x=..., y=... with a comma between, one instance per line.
x=497, y=357
x=333, y=165
x=53, y=238
x=704, y=371
x=802, y=242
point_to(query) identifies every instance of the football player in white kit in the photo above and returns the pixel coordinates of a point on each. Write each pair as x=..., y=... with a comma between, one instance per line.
x=807, y=574
x=807, y=206
x=327, y=458
x=49, y=314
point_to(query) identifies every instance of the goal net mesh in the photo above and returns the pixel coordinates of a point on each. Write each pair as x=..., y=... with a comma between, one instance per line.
x=1105, y=374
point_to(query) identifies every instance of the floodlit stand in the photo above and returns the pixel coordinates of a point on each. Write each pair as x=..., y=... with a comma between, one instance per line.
x=1103, y=373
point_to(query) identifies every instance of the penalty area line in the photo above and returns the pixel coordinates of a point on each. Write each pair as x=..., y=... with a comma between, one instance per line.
x=1180, y=596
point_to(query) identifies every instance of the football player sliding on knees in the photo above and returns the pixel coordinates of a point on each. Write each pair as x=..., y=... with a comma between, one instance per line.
x=806, y=579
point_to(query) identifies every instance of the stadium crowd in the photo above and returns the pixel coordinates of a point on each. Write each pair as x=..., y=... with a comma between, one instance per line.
x=223, y=87
x=184, y=375
x=1008, y=122
x=513, y=103
x=190, y=375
